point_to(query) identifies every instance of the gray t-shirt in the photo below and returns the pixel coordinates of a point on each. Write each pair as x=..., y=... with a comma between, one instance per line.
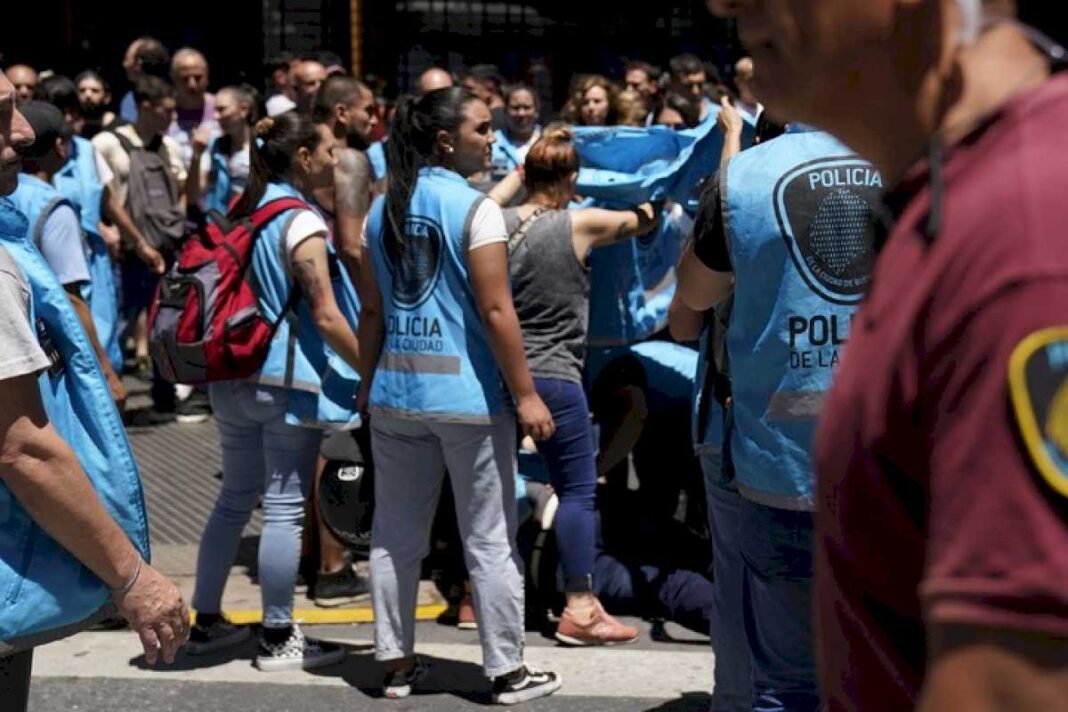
x=20, y=353
x=551, y=291
x=63, y=246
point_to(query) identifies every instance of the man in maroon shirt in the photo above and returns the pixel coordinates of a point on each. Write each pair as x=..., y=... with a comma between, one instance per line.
x=942, y=532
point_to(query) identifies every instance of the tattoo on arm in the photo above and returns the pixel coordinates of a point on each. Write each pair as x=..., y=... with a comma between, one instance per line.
x=353, y=183
x=308, y=278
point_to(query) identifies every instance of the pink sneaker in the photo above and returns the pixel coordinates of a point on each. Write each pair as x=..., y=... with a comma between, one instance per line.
x=602, y=629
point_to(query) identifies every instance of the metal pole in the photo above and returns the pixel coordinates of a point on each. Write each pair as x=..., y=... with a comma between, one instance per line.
x=356, y=36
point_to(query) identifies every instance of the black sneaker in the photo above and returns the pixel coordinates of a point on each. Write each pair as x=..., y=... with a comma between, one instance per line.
x=338, y=588
x=530, y=684
x=221, y=634
x=194, y=409
x=399, y=684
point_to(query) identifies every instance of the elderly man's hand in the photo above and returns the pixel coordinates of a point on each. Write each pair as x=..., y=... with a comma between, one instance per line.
x=155, y=609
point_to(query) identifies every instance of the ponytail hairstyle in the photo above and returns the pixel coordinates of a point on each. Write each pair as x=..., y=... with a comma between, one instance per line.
x=273, y=149
x=412, y=145
x=551, y=159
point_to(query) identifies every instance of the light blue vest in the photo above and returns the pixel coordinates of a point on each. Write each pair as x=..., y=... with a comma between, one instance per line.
x=322, y=384
x=436, y=362
x=798, y=215
x=79, y=182
x=220, y=185
x=45, y=592
x=37, y=200
x=376, y=154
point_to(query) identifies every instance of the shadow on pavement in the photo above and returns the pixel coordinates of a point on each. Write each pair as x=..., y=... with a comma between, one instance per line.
x=246, y=651
x=689, y=702
x=450, y=677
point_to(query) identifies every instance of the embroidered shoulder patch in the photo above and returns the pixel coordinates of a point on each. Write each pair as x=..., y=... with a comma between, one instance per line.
x=1038, y=387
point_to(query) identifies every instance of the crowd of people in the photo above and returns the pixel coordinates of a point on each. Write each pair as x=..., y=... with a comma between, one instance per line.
x=609, y=335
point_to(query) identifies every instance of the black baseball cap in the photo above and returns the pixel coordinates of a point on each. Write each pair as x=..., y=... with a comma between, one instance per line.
x=47, y=123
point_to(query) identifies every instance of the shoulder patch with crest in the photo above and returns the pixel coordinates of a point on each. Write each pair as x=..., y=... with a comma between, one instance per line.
x=1038, y=387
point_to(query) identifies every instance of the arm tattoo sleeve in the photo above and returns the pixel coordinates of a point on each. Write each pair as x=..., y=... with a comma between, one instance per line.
x=353, y=183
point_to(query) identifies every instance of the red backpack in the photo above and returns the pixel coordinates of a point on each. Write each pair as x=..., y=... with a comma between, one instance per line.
x=205, y=323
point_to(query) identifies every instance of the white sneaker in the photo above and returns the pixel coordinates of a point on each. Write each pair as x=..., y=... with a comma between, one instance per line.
x=297, y=653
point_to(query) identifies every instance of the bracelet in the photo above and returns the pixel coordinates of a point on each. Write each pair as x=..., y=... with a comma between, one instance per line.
x=120, y=592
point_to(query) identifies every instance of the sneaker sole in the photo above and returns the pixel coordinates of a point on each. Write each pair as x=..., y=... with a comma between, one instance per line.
x=319, y=661
x=402, y=691
x=341, y=601
x=533, y=693
x=397, y=693
x=580, y=643
x=191, y=419
x=217, y=645
x=467, y=626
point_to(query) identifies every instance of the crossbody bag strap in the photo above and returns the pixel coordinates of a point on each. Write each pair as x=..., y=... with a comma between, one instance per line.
x=520, y=233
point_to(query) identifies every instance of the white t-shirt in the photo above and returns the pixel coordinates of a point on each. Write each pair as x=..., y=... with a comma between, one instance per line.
x=109, y=148
x=487, y=227
x=304, y=224
x=103, y=170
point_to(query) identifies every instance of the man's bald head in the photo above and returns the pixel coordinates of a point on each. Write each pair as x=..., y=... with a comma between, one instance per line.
x=309, y=75
x=743, y=80
x=24, y=77
x=189, y=72
x=433, y=79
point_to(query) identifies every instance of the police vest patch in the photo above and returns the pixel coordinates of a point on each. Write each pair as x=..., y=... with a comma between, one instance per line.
x=824, y=209
x=1038, y=386
x=417, y=267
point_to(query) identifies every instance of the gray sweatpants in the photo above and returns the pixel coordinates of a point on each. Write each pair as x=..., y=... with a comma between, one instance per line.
x=410, y=459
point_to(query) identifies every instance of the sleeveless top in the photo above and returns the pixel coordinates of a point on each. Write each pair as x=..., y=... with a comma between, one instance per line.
x=551, y=292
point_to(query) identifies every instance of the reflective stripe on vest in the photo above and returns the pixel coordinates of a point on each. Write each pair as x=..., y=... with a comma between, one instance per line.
x=44, y=589
x=797, y=211
x=322, y=385
x=436, y=362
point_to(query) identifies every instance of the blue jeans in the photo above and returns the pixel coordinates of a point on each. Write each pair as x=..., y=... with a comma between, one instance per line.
x=776, y=548
x=570, y=458
x=261, y=454
x=733, y=691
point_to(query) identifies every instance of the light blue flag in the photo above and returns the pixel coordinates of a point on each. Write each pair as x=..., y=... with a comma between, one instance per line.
x=624, y=165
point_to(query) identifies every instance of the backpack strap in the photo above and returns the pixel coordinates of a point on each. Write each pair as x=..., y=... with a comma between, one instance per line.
x=127, y=144
x=520, y=233
x=263, y=215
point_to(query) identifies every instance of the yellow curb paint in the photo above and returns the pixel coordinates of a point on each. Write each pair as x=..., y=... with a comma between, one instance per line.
x=324, y=616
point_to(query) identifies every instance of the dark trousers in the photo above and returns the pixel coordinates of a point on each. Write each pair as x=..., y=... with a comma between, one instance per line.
x=138, y=290
x=15, y=681
x=570, y=459
x=776, y=548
